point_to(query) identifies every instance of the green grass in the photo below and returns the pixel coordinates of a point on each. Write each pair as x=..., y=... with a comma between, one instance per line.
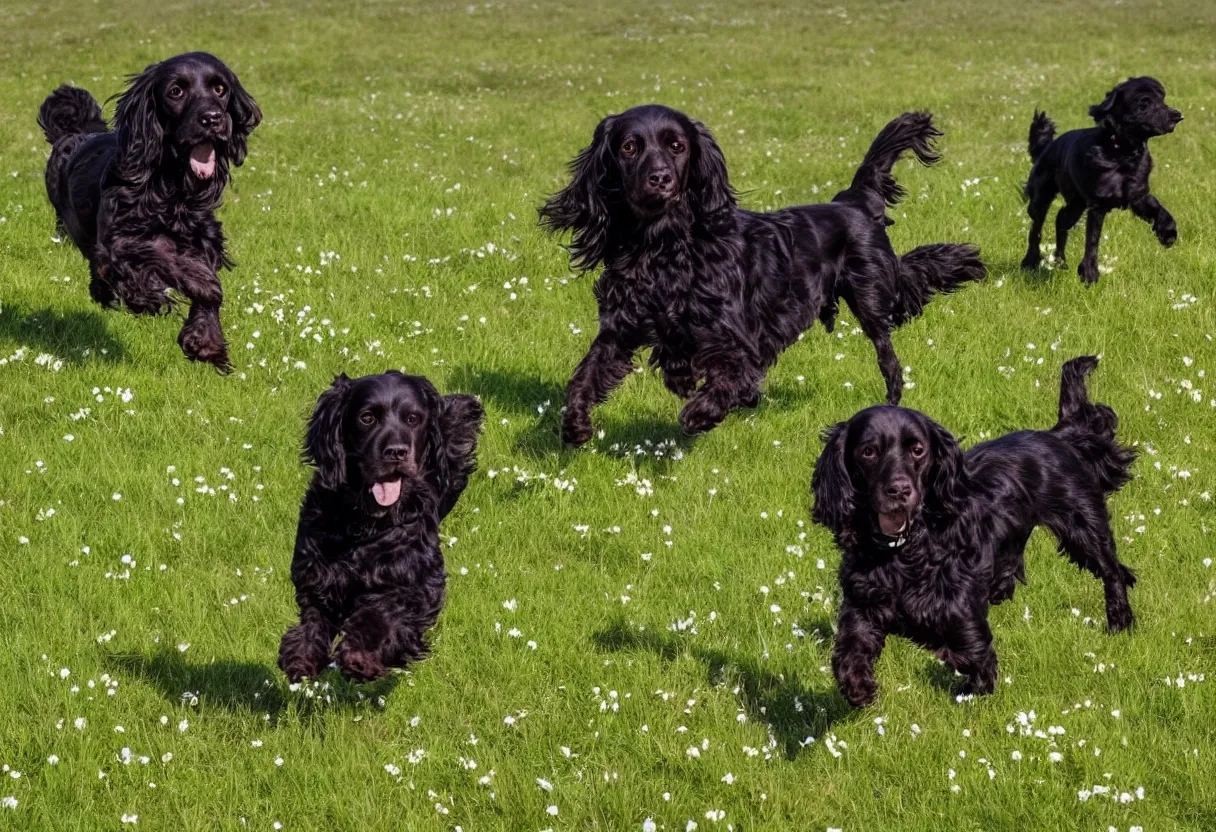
x=407, y=139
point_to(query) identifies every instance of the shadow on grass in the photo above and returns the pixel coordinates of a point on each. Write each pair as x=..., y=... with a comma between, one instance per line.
x=792, y=711
x=75, y=337
x=650, y=442
x=247, y=686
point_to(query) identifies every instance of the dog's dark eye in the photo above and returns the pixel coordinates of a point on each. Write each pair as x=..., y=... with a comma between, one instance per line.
x=677, y=146
x=412, y=419
x=366, y=417
x=175, y=92
x=868, y=452
x=918, y=451
x=220, y=90
x=1142, y=106
x=629, y=148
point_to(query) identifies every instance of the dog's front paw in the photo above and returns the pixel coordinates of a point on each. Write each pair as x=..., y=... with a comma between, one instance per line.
x=201, y=344
x=1119, y=618
x=576, y=429
x=1167, y=231
x=859, y=692
x=1002, y=592
x=297, y=668
x=358, y=664
x=1032, y=261
x=300, y=655
x=1088, y=270
x=700, y=415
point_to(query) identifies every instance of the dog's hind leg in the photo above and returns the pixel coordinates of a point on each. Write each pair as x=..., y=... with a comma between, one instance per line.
x=1041, y=190
x=1010, y=568
x=1088, y=270
x=1068, y=217
x=1086, y=538
x=888, y=363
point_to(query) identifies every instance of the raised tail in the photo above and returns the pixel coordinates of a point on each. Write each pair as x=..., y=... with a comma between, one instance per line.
x=1042, y=134
x=1090, y=427
x=939, y=268
x=70, y=110
x=873, y=185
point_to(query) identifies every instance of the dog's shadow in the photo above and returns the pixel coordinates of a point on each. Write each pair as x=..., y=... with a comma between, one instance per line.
x=247, y=687
x=651, y=443
x=75, y=337
x=793, y=712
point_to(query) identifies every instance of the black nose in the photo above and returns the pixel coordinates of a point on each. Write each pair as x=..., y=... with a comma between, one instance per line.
x=898, y=489
x=396, y=452
x=660, y=179
x=211, y=118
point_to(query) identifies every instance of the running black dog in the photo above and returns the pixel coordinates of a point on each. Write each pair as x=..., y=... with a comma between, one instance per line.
x=140, y=201
x=392, y=456
x=1100, y=168
x=931, y=536
x=717, y=291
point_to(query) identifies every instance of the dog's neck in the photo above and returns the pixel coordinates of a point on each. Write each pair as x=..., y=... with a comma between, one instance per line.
x=1120, y=143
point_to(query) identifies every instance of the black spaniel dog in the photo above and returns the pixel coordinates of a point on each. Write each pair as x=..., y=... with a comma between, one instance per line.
x=1099, y=168
x=140, y=201
x=392, y=456
x=931, y=536
x=717, y=291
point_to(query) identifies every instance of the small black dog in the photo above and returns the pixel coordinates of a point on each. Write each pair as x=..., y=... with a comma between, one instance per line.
x=391, y=458
x=1100, y=168
x=140, y=202
x=718, y=291
x=931, y=536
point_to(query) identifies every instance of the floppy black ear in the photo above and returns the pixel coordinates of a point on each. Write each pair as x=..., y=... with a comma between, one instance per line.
x=141, y=137
x=245, y=114
x=582, y=205
x=1100, y=112
x=323, y=445
x=945, y=478
x=709, y=191
x=835, y=496
x=453, y=445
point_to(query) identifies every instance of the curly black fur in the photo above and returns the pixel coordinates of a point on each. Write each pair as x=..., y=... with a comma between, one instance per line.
x=931, y=536
x=717, y=291
x=1101, y=169
x=391, y=456
x=140, y=201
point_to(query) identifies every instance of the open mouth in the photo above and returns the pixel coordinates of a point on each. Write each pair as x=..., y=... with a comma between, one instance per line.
x=387, y=493
x=893, y=523
x=202, y=160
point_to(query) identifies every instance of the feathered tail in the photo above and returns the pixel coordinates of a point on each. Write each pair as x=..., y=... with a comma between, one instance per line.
x=68, y=111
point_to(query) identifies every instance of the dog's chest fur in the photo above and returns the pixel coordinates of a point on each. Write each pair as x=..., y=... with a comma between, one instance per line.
x=663, y=287
x=911, y=588
x=1121, y=175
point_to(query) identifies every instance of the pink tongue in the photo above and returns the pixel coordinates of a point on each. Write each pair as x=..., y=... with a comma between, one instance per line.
x=386, y=493
x=202, y=160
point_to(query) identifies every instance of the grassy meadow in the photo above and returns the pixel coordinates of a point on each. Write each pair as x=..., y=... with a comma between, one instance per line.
x=637, y=633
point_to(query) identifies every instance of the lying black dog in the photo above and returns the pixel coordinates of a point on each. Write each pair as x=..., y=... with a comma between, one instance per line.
x=391, y=458
x=718, y=291
x=931, y=536
x=140, y=202
x=1100, y=168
